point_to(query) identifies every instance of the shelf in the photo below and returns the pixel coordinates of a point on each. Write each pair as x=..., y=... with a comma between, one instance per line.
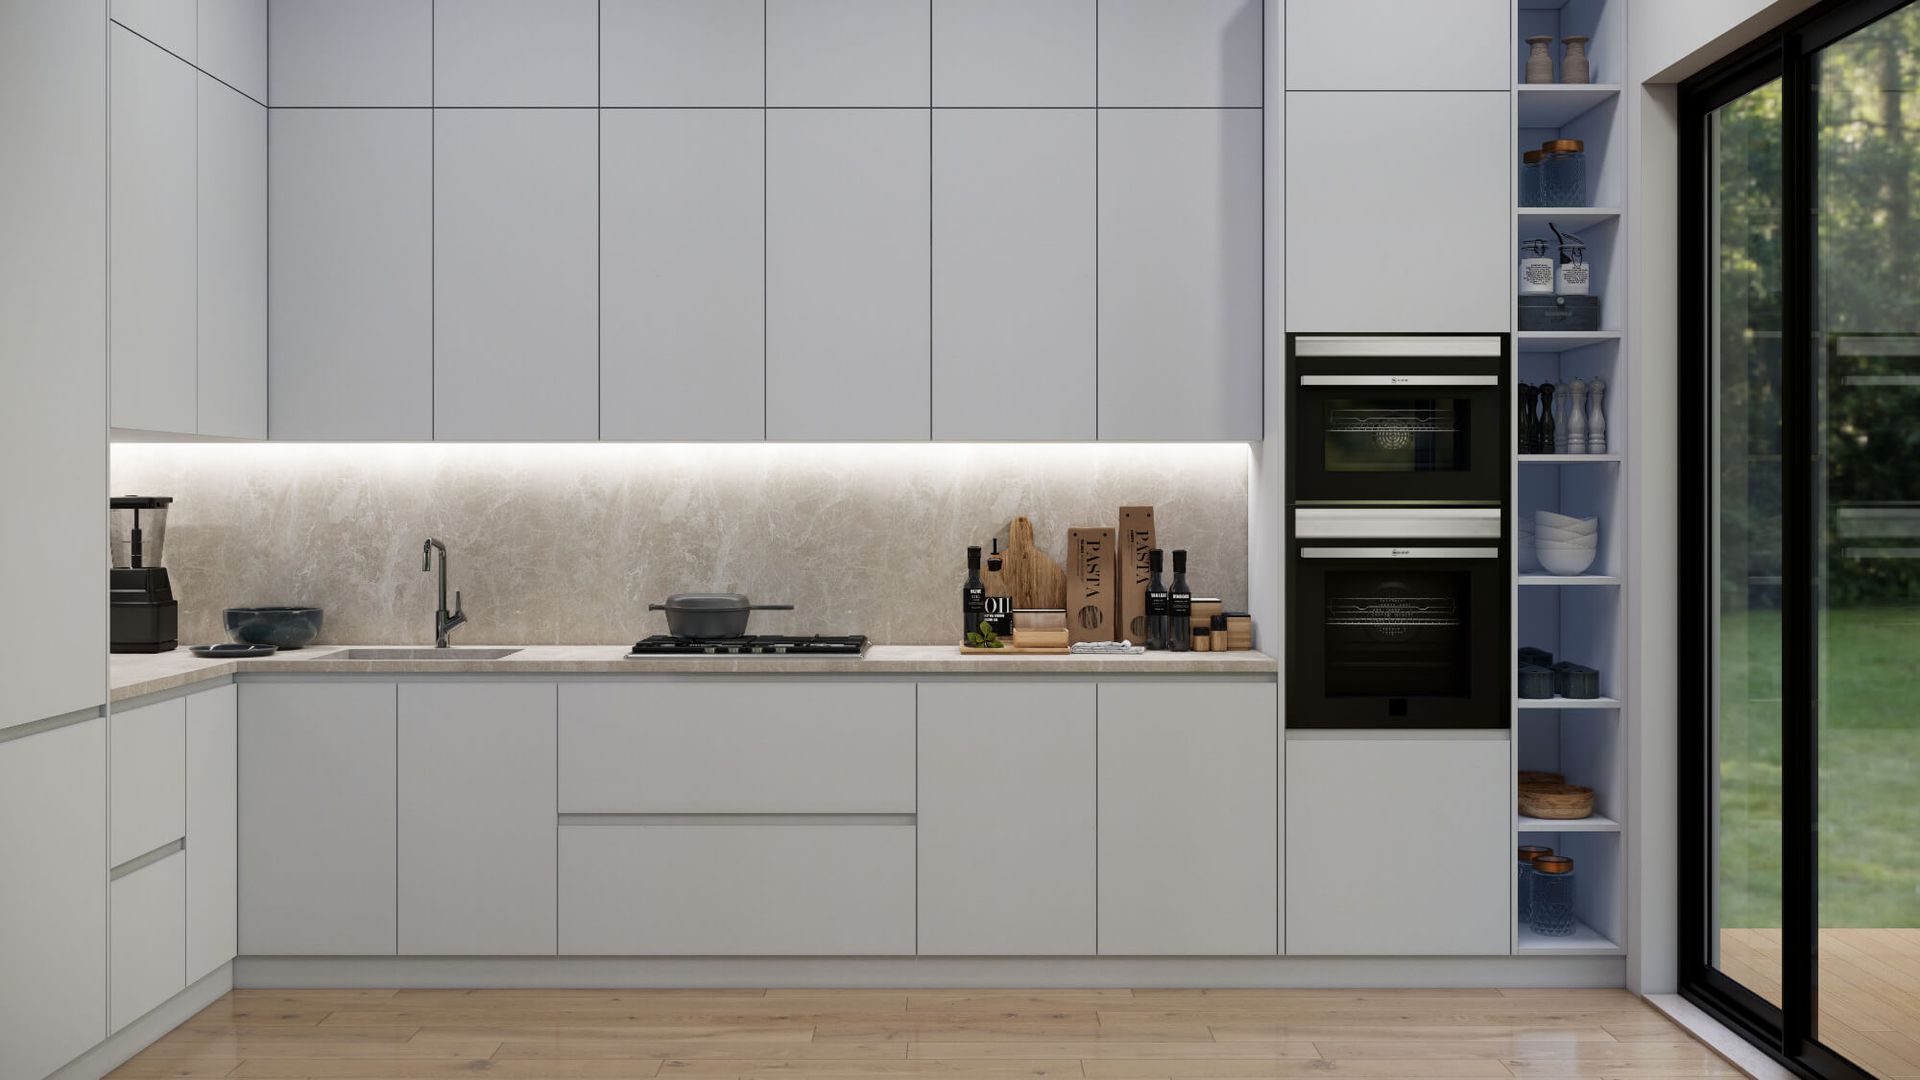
x=1584, y=941
x=1569, y=579
x=1568, y=703
x=1551, y=105
x=1568, y=459
x=1570, y=218
x=1557, y=341
x=1593, y=823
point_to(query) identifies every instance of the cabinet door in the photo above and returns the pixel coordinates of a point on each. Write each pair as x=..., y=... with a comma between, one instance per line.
x=847, y=54
x=350, y=292
x=1013, y=53
x=233, y=44
x=1189, y=819
x=1013, y=272
x=847, y=274
x=149, y=937
x=683, y=272
x=515, y=286
x=1400, y=194
x=351, y=53
x=1433, y=819
x=152, y=246
x=167, y=23
x=149, y=778
x=687, y=53
x=232, y=265
x=213, y=866
x=1181, y=307
x=1006, y=819
x=1182, y=53
x=53, y=895
x=1391, y=45
x=477, y=819
x=317, y=819
x=536, y=53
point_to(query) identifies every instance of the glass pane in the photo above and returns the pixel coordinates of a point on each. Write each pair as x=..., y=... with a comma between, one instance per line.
x=1746, y=216
x=1867, y=348
x=1397, y=435
x=1398, y=634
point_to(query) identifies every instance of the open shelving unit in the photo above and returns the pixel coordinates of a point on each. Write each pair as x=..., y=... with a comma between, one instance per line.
x=1580, y=617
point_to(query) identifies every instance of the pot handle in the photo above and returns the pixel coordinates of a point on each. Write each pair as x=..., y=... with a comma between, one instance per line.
x=656, y=607
x=769, y=607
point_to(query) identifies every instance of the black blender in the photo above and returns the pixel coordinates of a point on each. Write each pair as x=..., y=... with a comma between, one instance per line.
x=145, y=616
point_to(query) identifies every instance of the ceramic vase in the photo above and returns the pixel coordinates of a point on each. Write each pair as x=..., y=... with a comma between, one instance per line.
x=1574, y=66
x=1539, y=60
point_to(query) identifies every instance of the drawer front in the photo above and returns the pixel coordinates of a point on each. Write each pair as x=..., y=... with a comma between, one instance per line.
x=149, y=940
x=149, y=778
x=736, y=890
x=737, y=748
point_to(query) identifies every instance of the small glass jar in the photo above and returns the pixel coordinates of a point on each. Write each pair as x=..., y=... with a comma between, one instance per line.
x=1528, y=853
x=1563, y=173
x=1552, y=909
x=1530, y=177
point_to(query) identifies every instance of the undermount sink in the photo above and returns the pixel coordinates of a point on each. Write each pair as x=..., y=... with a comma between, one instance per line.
x=424, y=654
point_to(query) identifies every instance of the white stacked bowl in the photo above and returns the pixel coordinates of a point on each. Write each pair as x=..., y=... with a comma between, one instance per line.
x=1565, y=545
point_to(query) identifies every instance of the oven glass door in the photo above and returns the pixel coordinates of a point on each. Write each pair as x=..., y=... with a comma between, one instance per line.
x=1400, y=439
x=1399, y=637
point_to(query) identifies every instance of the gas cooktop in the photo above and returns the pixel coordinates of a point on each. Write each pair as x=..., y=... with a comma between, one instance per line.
x=758, y=645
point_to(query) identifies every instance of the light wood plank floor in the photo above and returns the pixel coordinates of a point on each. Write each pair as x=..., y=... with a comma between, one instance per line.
x=1869, y=991
x=887, y=1034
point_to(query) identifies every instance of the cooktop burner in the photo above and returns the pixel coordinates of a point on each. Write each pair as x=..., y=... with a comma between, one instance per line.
x=757, y=645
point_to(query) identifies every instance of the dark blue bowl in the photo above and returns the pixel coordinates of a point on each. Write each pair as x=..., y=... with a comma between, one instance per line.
x=287, y=627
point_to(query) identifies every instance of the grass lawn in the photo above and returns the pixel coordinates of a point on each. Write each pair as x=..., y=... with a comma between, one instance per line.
x=1869, y=769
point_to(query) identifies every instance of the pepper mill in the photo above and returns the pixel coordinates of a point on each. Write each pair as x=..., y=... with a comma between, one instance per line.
x=1529, y=397
x=1539, y=60
x=1560, y=416
x=1597, y=420
x=1577, y=418
x=1547, y=425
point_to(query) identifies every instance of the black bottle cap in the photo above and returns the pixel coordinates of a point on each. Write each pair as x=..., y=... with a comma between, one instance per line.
x=1179, y=560
x=973, y=557
x=1154, y=562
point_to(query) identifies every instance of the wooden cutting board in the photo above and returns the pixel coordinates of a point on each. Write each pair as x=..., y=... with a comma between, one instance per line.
x=1031, y=575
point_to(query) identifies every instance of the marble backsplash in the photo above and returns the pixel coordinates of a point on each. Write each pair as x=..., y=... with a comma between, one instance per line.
x=567, y=544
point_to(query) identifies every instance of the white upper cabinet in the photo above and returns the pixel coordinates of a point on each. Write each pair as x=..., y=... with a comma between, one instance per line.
x=351, y=52
x=515, y=52
x=989, y=53
x=233, y=44
x=167, y=23
x=1181, y=304
x=847, y=272
x=1405, y=192
x=847, y=53
x=232, y=263
x=683, y=53
x=515, y=207
x=682, y=274
x=1183, y=53
x=152, y=252
x=1013, y=274
x=351, y=274
x=1398, y=44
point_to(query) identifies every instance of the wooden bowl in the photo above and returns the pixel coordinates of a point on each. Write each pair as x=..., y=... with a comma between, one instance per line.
x=1558, y=802
x=1529, y=776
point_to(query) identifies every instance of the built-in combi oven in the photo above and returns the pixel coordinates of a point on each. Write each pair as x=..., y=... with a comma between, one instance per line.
x=1398, y=420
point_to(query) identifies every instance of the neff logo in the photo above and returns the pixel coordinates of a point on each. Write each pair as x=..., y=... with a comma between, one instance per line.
x=1398, y=378
x=1399, y=553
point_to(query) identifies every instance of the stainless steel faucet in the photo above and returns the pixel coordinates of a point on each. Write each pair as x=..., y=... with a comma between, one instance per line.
x=444, y=621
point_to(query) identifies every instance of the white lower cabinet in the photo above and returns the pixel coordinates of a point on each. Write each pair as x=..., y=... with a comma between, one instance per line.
x=1189, y=819
x=53, y=897
x=213, y=867
x=477, y=819
x=317, y=819
x=737, y=890
x=1006, y=819
x=149, y=763
x=149, y=937
x=1398, y=847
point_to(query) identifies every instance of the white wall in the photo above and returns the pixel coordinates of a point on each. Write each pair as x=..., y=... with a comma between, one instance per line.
x=1669, y=40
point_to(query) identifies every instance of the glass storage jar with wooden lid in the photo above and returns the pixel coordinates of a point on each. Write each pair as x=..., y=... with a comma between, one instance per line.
x=1563, y=173
x=1552, y=896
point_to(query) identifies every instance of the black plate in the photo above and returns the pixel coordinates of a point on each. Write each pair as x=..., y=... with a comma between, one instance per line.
x=233, y=650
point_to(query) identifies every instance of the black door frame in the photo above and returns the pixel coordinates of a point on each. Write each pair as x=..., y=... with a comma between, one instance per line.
x=1786, y=54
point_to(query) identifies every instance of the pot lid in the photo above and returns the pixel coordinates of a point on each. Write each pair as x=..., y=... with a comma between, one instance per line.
x=724, y=601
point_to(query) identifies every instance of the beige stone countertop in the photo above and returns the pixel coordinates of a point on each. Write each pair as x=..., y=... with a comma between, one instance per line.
x=136, y=675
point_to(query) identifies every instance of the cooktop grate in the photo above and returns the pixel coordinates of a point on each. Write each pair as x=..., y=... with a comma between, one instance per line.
x=755, y=645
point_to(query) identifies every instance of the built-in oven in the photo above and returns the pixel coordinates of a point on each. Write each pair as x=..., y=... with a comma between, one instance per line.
x=1398, y=619
x=1398, y=420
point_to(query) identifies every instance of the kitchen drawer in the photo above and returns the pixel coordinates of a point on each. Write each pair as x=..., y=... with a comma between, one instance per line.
x=149, y=937
x=736, y=890
x=148, y=778
x=765, y=747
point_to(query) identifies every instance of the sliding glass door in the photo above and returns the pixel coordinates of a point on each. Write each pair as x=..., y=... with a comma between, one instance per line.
x=1801, y=512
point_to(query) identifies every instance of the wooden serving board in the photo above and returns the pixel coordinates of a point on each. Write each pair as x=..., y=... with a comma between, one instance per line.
x=1032, y=578
x=969, y=650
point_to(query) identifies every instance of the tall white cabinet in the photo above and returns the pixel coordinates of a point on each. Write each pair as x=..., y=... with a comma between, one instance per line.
x=230, y=208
